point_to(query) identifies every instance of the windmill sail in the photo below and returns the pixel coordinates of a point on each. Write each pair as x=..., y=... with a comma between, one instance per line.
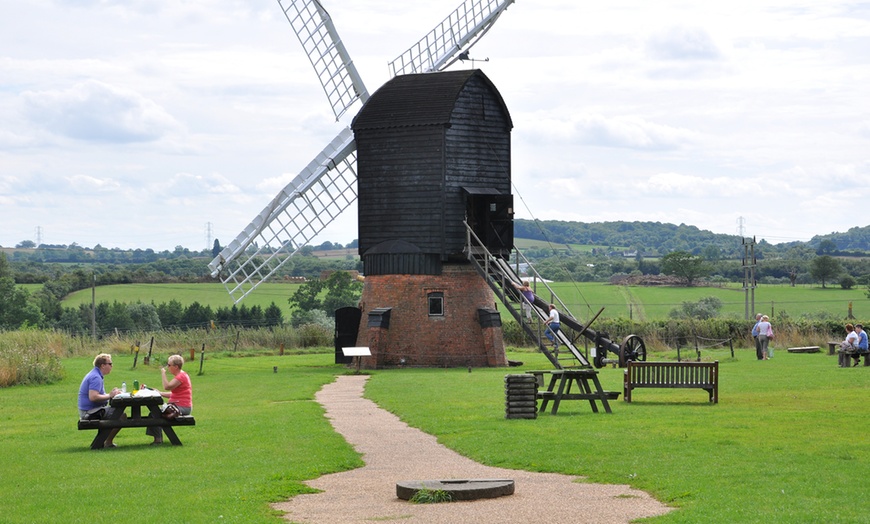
x=461, y=30
x=314, y=28
x=327, y=186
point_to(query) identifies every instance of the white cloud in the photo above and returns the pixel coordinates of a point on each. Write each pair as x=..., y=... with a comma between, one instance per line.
x=94, y=111
x=683, y=43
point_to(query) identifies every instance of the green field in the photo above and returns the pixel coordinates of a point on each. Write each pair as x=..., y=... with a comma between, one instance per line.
x=655, y=302
x=583, y=299
x=784, y=445
x=526, y=243
x=214, y=295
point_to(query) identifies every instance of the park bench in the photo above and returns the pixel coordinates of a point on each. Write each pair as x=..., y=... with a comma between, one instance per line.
x=701, y=375
x=805, y=349
x=844, y=357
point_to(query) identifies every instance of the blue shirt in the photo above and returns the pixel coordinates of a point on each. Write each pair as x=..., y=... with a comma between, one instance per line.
x=862, y=340
x=755, y=329
x=93, y=380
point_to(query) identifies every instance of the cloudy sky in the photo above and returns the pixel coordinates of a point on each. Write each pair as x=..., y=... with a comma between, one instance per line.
x=145, y=124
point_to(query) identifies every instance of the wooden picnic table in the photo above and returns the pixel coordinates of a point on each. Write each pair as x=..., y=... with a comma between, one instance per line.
x=135, y=419
x=588, y=387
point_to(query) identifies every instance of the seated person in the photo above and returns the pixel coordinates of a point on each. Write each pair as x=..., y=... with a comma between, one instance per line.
x=93, y=399
x=179, y=392
x=850, y=345
x=862, y=344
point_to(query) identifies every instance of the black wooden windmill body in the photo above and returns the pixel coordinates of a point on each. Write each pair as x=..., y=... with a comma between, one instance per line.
x=433, y=154
x=432, y=150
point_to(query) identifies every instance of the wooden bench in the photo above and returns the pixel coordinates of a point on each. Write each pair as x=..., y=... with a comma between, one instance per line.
x=104, y=426
x=845, y=357
x=180, y=420
x=701, y=375
x=805, y=349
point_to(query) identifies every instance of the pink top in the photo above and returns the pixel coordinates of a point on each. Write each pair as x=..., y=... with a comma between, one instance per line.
x=183, y=394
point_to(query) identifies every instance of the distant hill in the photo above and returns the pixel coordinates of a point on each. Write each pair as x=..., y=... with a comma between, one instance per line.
x=653, y=238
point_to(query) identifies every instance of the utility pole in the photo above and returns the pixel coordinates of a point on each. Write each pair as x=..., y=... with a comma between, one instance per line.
x=94, y=308
x=749, y=263
x=38, y=236
x=208, y=244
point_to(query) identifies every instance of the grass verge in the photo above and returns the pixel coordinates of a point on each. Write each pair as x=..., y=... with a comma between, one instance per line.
x=784, y=445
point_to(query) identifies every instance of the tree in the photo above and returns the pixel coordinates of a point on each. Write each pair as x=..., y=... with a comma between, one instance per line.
x=341, y=290
x=26, y=244
x=825, y=268
x=216, y=248
x=707, y=307
x=685, y=265
x=826, y=247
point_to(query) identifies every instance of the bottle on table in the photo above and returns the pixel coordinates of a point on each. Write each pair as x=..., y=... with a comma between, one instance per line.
x=135, y=387
x=123, y=387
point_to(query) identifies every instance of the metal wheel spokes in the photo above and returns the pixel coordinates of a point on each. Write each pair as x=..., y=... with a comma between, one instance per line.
x=632, y=349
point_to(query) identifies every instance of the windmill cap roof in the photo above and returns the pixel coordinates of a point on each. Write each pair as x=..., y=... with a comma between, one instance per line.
x=419, y=100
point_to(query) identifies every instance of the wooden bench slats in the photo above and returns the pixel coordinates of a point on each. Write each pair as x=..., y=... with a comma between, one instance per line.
x=701, y=375
x=142, y=423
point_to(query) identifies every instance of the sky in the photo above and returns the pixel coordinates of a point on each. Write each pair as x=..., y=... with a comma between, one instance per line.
x=142, y=124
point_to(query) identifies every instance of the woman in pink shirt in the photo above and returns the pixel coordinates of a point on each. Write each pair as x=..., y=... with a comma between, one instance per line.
x=178, y=391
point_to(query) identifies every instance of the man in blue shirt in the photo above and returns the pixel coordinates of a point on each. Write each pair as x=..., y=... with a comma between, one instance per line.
x=862, y=344
x=93, y=399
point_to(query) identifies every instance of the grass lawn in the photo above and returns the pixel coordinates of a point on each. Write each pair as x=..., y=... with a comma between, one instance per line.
x=786, y=443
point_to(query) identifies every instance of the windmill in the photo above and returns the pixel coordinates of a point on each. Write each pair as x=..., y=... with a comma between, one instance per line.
x=326, y=186
x=435, y=297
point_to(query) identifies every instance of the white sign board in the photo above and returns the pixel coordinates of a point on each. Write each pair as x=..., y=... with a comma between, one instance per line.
x=356, y=352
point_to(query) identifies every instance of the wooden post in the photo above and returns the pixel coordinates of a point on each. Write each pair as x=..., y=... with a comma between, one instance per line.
x=150, y=348
x=236, y=343
x=201, y=358
x=192, y=354
x=136, y=357
x=282, y=349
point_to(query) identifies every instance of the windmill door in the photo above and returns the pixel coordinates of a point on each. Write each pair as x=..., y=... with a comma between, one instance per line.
x=490, y=215
x=346, y=327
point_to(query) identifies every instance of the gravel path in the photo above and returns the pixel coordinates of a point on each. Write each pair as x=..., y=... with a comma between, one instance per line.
x=395, y=452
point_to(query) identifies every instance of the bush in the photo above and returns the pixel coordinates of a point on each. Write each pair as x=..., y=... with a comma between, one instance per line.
x=847, y=282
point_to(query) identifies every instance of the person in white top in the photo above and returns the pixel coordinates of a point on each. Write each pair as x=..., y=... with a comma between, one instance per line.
x=765, y=333
x=553, y=325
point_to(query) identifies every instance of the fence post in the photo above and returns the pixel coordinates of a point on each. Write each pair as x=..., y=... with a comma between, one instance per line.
x=201, y=358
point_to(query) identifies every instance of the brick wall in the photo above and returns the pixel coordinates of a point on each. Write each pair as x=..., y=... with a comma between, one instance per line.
x=416, y=338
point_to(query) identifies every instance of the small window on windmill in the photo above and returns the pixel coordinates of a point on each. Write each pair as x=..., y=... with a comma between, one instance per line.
x=436, y=304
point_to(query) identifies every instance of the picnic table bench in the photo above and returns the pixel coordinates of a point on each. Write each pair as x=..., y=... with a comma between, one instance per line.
x=588, y=387
x=701, y=375
x=136, y=419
